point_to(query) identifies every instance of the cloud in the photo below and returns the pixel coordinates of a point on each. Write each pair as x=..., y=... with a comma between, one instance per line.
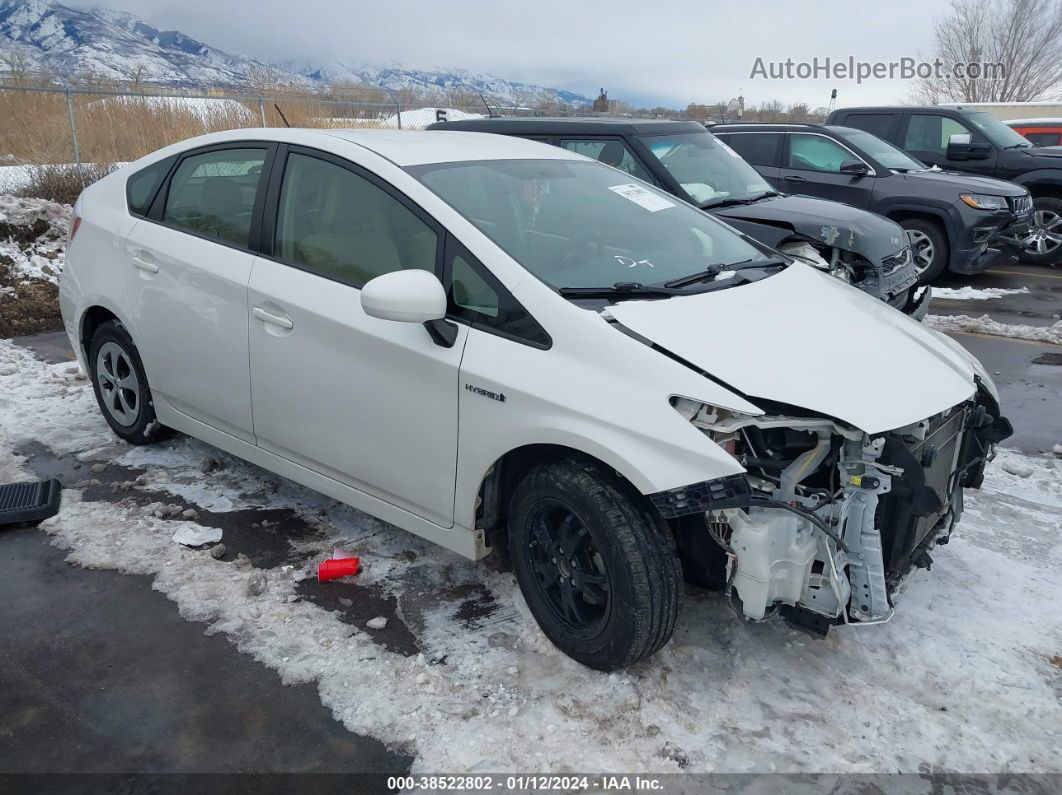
x=669, y=53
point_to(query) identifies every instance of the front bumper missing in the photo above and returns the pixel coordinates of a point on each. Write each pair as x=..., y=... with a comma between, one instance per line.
x=841, y=555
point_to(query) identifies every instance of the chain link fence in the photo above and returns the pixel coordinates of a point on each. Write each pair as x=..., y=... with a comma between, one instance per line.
x=81, y=133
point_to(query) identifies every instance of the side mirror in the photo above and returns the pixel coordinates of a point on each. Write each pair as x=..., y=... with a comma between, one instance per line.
x=412, y=296
x=960, y=147
x=854, y=168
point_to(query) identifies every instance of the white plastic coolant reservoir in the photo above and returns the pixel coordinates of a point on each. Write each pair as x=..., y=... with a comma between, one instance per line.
x=775, y=550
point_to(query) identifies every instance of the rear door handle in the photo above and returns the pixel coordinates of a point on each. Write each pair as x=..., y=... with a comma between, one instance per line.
x=793, y=178
x=268, y=317
x=144, y=265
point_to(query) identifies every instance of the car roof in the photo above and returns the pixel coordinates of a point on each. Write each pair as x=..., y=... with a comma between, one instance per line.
x=765, y=126
x=545, y=125
x=1022, y=122
x=402, y=147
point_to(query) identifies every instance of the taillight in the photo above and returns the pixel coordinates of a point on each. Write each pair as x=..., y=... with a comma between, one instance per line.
x=74, y=226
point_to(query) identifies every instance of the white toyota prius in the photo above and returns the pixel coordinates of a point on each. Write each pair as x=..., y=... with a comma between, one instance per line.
x=494, y=343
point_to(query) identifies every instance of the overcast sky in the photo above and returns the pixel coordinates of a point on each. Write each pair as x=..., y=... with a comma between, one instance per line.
x=672, y=52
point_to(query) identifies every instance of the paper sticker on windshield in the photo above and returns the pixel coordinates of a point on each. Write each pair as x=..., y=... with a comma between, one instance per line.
x=639, y=195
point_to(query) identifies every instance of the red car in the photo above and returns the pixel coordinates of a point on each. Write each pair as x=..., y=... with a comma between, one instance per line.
x=1041, y=132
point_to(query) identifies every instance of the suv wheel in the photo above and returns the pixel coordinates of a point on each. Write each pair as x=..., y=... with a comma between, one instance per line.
x=121, y=387
x=598, y=571
x=1043, y=245
x=928, y=248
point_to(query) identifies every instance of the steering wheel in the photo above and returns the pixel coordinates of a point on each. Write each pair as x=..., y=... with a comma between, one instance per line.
x=579, y=245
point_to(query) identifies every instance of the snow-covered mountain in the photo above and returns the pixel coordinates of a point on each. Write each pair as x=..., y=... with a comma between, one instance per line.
x=395, y=77
x=46, y=36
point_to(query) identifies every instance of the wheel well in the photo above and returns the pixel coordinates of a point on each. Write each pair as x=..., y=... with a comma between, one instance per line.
x=95, y=317
x=492, y=502
x=1045, y=189
x=914, y=215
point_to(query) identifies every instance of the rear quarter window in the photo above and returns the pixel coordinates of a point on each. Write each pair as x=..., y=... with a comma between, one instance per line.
x=142, y=186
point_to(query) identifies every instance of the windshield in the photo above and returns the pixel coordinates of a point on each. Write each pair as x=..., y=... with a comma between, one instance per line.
x=882, y=151
x=706, y=168
x=583, y=224
x=996, y=131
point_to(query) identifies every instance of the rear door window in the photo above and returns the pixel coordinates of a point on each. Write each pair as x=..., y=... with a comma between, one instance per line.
x=213, y=194
x=759, y=149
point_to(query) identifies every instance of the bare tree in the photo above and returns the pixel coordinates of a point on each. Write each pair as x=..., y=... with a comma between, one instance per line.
x=772, y=111
x=1023, y=36
x=799, y=113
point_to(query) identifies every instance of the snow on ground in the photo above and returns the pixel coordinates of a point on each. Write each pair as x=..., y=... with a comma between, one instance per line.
x=32, y=239
x=986, y=325
x=965, y=678
x=968, y=293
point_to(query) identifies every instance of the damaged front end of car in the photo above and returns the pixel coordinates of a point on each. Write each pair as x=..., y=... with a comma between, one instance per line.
x=891, y=278
x=827, y=522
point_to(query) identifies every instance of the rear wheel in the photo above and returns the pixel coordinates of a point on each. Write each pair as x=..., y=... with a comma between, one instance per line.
x=1043, y=244
x=929, y=248
x=121, y=386
x=598, y=570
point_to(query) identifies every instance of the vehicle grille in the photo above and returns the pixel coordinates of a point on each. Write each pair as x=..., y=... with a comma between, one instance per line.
x=890, y=264
x=1021, y=205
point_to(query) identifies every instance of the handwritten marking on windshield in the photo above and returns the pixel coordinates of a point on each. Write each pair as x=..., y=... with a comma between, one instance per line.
x=631, y=263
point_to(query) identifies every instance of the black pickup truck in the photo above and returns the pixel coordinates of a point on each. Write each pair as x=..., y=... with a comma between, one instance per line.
x=969, y=140
x=684, y=159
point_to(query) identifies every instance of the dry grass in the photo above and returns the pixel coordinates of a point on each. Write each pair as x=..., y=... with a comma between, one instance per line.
x=36, y=127
x=62, y=182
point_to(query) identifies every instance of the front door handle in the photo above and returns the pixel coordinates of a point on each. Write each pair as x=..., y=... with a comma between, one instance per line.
x=277, y=320
x=793, y=178
x=144, y=265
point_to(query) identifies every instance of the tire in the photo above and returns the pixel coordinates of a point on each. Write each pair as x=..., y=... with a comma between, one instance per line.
x=1044, y=244
x=928, y=246
x=624, y=580
x=121, y=387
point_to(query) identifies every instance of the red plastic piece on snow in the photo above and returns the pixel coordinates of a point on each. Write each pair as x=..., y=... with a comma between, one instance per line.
x=334, y=569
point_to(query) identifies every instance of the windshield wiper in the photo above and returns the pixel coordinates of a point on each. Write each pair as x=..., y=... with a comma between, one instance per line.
x=620, y=290
x=715, y=269
x=735, y=201
x=1019, y=146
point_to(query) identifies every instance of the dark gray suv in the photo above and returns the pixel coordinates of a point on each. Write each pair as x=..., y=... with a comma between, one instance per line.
x=957, y=222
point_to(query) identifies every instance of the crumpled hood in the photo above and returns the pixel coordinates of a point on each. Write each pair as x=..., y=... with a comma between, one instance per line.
x=836, y=224
x=804, y=338
x=953, y=183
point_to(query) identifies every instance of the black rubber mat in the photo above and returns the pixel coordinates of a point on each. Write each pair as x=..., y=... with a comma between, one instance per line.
x=22, y=503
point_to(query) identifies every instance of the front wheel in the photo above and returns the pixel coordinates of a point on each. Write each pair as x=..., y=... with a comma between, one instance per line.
x=1043, y=244
x=598, y=570
x=121, y=386
x=929, y=248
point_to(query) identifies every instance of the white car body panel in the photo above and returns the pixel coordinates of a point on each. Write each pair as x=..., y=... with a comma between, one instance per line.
x=804, y=338
x=189, y=319
x=371, y=403
x=391, y=429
